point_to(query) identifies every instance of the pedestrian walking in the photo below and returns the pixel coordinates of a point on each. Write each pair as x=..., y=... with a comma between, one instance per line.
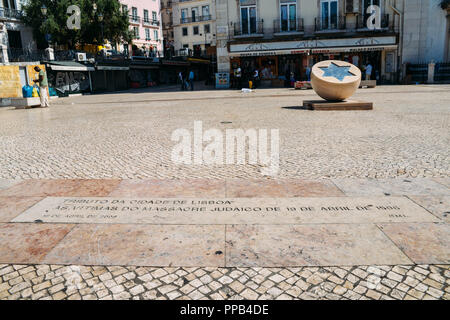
x=181, y=79
x=368, y=71
x=308, y=73
x=239, y=78
x=191, y=80
x=43, y=87
x=256, y=78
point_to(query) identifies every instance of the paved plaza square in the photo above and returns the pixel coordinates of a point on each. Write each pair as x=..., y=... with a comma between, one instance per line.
x=92, y=206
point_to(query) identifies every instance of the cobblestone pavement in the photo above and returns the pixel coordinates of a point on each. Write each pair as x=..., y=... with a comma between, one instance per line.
x=128, y=135
x=56, y=282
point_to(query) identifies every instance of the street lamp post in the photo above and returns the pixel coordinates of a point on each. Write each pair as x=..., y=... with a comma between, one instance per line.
x=100, y=18
x=44, y=11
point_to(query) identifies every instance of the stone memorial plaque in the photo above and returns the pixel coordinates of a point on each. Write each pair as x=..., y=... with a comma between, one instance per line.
x=226, y=211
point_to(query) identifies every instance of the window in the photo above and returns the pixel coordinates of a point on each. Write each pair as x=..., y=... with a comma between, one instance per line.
x=147, y=34
x=329, y=14
x=155, y=35
x=9, y=4
x=134, y=12
x=248, y=19
x=185, y=31
x=136, y=32
x=194, y=12
x=207, y=28
x=195, y=28
x=367, y=4
x=125, y=8
x=146, y=18
x=184, y=15
x=288, y=12
x=154, y=17
x=205, y=12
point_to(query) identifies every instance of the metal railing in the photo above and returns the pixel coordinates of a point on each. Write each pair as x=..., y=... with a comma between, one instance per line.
x=191, y=53
x=10, y=13
x=330, y=23
x=442, y=72
x=135, y=19
x=25, y=55
x=417, y=72
x=71, y=55
x=361, y=23
x=196, y=19
x=291, y=25
x=150, y=22
x=254, y=28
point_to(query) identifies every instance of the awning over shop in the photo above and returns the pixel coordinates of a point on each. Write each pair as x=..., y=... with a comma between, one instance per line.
x=69, y=66
x=197, y=60
x=268, y=53
x=313, y=46
x=174, y=63
x=142, y=66
x=112, y=68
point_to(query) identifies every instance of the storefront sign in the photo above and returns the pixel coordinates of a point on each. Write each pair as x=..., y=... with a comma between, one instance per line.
x=354, y=49
x=325, y=44
x=267, y=53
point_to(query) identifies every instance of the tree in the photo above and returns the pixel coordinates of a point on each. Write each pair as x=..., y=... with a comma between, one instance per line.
x=114, y=26
x=445, y=4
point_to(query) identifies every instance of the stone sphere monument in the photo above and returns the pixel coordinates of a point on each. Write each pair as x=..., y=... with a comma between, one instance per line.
x=336, y=81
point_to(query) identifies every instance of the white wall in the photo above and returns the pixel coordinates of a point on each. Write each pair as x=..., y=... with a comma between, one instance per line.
x=424, y=31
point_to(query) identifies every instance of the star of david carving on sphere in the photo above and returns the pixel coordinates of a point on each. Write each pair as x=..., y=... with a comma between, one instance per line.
x=338, y=72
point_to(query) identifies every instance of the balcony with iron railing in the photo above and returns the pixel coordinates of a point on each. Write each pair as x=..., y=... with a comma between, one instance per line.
x=284, y=27
x=6, y=13
x=192, y=53
x=135, y=19
x=25, y=55
x=385, y=25
x=331, y=24
x=250, y=30
x=150, y=23
x=195, y=19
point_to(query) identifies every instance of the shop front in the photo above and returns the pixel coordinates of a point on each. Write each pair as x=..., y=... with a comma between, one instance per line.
x=379, y=57
x=280, y=62
x=275, y=68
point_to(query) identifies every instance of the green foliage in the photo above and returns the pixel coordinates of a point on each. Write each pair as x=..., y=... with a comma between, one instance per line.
x=445, y=4
x=115, y=23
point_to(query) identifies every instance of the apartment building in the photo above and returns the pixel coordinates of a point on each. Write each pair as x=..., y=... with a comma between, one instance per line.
x=280, y=37
x=145, y=21
x=14, y=35
x=194, y=27
x=167, y=27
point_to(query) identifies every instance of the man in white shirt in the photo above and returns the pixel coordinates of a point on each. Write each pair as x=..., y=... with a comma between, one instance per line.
x=180, y=78
x=239, y=78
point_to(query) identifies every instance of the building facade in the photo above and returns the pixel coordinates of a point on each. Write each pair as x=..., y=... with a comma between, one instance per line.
x=281, y=37
x=14, y=35
x=167, y=27
x=426, y=31
x=145, y=22
x=194, y=27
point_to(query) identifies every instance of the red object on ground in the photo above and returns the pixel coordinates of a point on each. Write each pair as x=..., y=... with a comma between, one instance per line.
x=302, y=84
x=135, y=85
